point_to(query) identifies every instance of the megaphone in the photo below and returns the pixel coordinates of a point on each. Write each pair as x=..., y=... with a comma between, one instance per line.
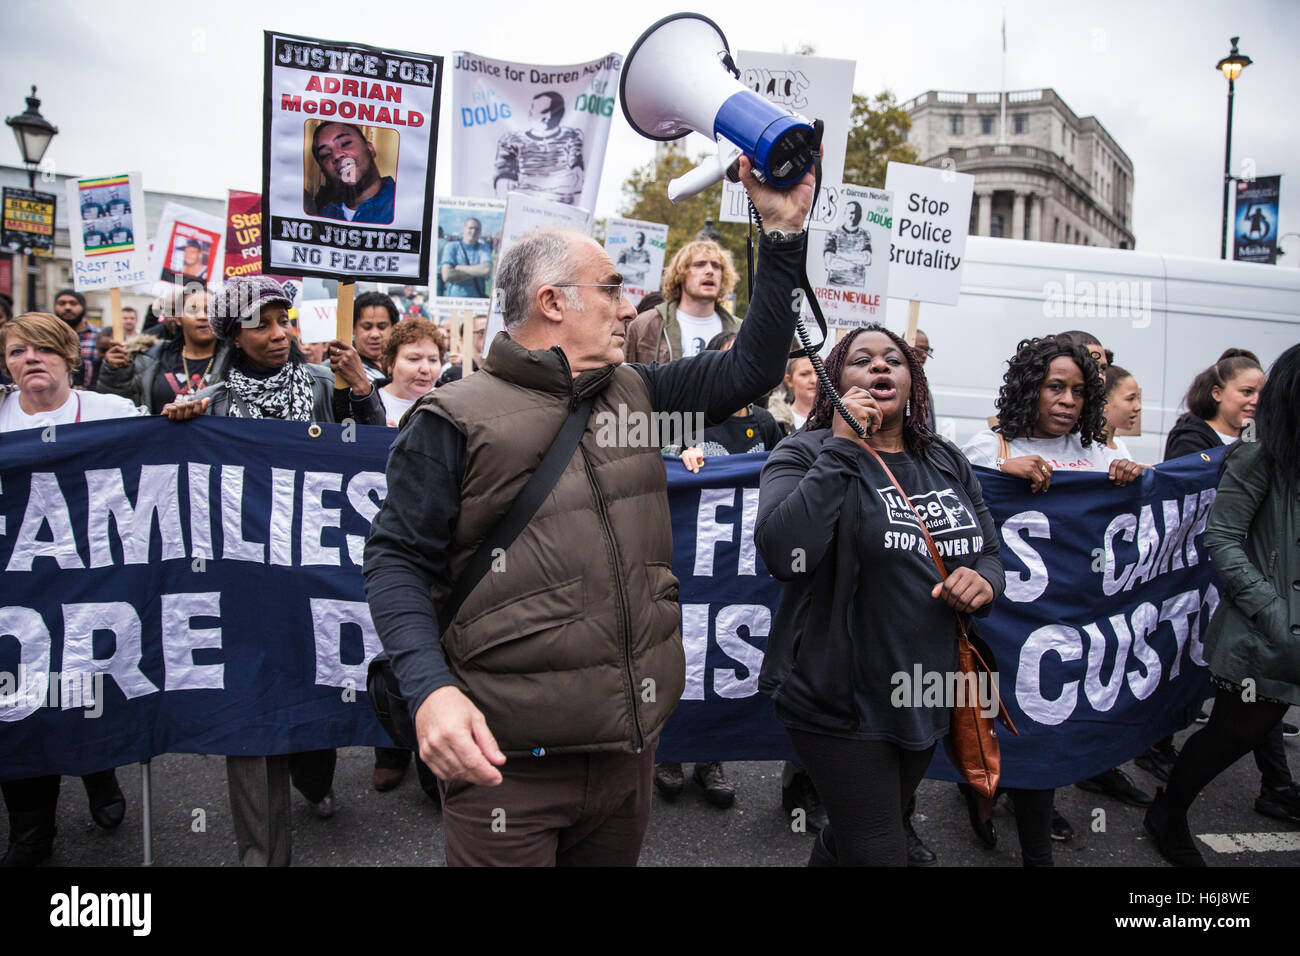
x=679, y=77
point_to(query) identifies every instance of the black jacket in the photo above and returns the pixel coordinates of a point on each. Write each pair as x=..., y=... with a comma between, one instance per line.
x=809, y=544
x=1190, y=434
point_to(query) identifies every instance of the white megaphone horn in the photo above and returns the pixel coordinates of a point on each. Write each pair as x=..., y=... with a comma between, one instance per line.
x=677, y=79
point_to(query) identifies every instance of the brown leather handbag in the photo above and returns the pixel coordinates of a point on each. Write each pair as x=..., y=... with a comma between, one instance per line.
x=972, y=741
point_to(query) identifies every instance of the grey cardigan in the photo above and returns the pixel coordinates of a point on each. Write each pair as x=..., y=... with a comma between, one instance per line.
x=1254, y=541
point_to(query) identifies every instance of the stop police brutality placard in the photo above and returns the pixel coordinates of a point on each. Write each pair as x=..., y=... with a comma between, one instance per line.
x=348, y=148
x=931, y=221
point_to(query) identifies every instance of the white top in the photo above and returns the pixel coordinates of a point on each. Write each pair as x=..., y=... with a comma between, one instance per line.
x=1066, y=452
x=1121, y=449
x=697, y=330
x=91, y=406
x=394, y=407
x=1226, y=439
x=797, y=418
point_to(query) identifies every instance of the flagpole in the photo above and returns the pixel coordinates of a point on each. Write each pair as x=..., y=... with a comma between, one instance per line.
x=1002, y=97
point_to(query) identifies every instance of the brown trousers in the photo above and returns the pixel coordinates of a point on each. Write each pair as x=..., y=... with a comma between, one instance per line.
x=566, y=810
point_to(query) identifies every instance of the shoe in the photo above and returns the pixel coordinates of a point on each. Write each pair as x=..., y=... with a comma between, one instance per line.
x=1158, y=761
x=1279, y=804
x=1290, y=730
x=1061, y=829
x=669, y=780
x=800, y=794
x=31, y=837
x=324, y=808
x=716, y=789
x=1171, y=834
x=107, y=804
x=386, y=778
x=978, y=807
x=823, y=851
x=918, y=854
x=1116, y=783
x=1202, y=717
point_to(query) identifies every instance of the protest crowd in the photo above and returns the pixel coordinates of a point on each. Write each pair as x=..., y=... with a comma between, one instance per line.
x=519, y=569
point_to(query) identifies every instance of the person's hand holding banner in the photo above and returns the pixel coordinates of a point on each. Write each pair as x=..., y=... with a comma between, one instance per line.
x=185, y=408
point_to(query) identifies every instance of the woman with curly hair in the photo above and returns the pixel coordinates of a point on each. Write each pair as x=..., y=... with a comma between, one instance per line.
x=1253, y=639
x=1050, y=417
x=833, y=529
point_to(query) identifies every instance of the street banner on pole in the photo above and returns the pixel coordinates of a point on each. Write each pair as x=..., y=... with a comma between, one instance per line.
x=1254, y=237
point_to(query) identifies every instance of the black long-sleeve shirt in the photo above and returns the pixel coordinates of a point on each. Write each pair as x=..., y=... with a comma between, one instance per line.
x=410, y=538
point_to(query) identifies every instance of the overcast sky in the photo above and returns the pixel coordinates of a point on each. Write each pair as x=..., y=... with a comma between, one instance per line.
x=174, y=90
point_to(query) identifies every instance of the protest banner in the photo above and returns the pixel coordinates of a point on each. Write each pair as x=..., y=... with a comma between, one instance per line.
x=469, y=236
x=28, y=221
x=848, y=234
x=637, y=249
x=1254, y=238
x=187, y=246
x=815, y=87
x=229, y=574
x=108, y=251
x=348, y=149
x=529, y=128
x=243, y=234
x=524, y=213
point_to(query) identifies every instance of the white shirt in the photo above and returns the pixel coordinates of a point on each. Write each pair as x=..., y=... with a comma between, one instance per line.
x=797, y=418
x=394, y=407
x=1064, y=453
x=80, y=406
x=1226, y=439
x=697, y=330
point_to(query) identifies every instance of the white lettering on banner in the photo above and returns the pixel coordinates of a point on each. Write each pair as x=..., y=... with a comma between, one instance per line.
x=45, y=503
x=1019, y=588
x=82, y=621
x=748, y=518
x=233, y=545
x=695, y=643
x=328, y=618
x=1171, y=547
x=709, y=531
x=180, y=641
x=200, y=516
x=158, y=495
x=34, y=648
x=1183, y=612
x=281, y=531
x=756, y=619
x=316, y=517
x=366, y=492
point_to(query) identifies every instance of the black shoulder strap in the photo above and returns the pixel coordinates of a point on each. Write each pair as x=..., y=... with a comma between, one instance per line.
x=521, y=512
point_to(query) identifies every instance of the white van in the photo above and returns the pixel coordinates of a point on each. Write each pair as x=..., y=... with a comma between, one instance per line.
x=1165, y=318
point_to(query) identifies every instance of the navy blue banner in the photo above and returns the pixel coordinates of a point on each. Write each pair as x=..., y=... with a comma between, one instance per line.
x=196, y=588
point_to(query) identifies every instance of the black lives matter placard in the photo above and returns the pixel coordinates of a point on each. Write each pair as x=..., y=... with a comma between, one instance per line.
x=350, y=134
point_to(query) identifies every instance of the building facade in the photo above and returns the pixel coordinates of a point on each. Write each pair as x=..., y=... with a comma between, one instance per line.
x=1051, y=176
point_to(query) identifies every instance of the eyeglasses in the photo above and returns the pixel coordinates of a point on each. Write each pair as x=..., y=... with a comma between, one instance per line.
x=614, y=289
x=923, y=350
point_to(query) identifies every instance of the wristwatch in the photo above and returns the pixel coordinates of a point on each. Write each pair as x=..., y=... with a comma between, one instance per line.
x=998, y=462
x=780, y=235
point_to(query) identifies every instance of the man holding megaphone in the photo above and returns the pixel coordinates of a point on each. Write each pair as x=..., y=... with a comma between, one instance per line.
x=539, y=693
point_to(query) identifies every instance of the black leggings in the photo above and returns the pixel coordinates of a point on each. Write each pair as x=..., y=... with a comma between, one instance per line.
x=1235, y=728
x=864, y=786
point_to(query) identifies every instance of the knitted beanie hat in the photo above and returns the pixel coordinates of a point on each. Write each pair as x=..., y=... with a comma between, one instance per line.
x=242, y=298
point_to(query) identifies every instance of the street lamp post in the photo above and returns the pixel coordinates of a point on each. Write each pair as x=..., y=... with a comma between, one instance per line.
x=33, y=132
x=1230, y=66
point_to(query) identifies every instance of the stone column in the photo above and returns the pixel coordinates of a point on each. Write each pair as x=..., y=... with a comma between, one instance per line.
x=1018, y=216
x=985, y=199
x=1035, y=217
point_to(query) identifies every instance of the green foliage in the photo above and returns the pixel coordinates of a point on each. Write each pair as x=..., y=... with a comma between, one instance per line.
x=877, y=131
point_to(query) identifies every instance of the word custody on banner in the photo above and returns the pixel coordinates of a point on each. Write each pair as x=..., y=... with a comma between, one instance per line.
x=532, y=129
x=814, y=87
x=348, y=155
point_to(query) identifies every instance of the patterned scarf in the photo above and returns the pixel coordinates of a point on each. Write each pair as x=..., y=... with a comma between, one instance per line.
x=286, y=395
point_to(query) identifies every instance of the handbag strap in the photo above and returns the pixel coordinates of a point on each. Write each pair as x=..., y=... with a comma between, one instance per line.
x=539, y=485
x=943, y=576
x=1004, y=448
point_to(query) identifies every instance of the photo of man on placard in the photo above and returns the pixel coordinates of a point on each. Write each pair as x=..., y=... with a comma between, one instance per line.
x=847, y=250
x=188, y=259
x=545, y=159
x=634, y=261
x=354, y=189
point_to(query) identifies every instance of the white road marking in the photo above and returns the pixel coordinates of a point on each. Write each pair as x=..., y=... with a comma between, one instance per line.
x=1251, y=842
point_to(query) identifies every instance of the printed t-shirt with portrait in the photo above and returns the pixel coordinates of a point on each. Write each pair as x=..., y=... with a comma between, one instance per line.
x=697, y=331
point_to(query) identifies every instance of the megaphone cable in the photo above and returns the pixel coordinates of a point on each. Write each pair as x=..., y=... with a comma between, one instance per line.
x=823, y=379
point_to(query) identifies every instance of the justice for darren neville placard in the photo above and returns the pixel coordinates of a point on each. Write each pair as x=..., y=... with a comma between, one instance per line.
x=350, y=140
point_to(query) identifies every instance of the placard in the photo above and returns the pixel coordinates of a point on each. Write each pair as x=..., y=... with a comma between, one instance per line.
x=29, y=219
x=349, y=141
x=931, y=221
x=815, y=87
x=469, y=237
x=848, y=254
x=533, y=129
x=187, y=246
x=637, y=249
x=1254, y=238
x=109, y=249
